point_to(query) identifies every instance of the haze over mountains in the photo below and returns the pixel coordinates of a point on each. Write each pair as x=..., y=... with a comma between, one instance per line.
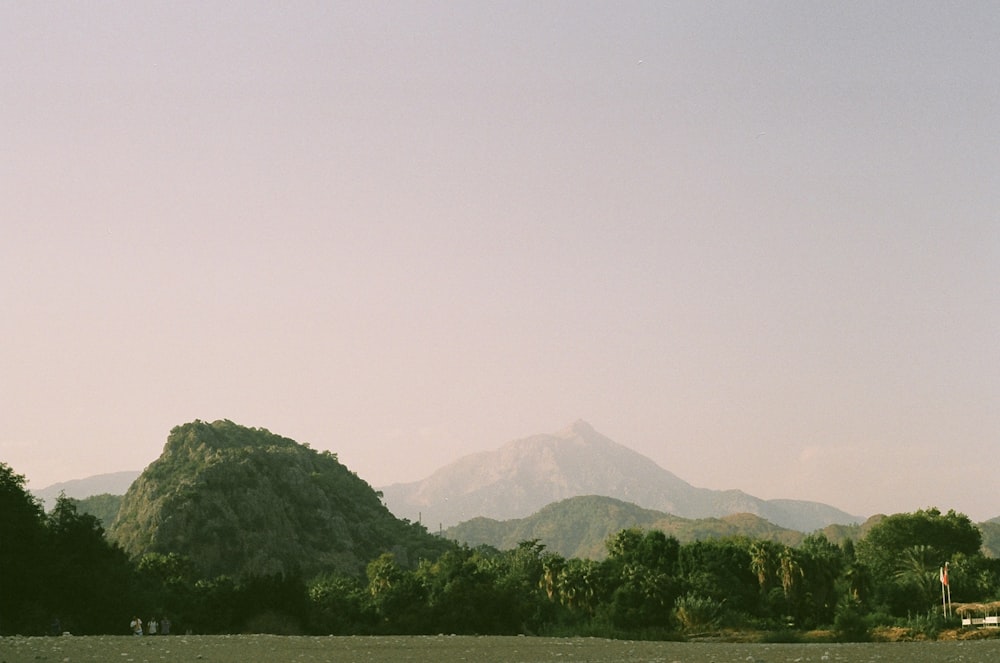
x=113, y=483
x=574, y=488
x=525, y=475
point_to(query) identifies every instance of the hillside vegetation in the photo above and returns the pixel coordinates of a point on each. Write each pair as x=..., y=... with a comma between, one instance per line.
x=104, y=507
x=239, y=569
x=991, y=537
x=580, y=527
x=246, y=502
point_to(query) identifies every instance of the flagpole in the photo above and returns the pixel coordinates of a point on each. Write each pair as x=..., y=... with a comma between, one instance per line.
x=944, y=583
x=948, y=585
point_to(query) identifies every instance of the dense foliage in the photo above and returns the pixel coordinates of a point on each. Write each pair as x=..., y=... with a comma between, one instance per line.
x=991, y=537
x=245, y=502
x=104, y=507
x=58, y=571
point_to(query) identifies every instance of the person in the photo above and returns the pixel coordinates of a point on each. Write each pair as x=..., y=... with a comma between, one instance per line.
x=136, y=625
x=151, y=624
x=165, y=626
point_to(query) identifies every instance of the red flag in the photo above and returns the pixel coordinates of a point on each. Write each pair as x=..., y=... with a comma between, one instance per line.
x=944, y=575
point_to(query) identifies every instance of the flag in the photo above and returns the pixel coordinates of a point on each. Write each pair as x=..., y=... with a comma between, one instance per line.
x=944, y=575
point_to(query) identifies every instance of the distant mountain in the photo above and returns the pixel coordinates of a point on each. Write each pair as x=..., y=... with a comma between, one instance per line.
x=243, y=501
x=525, y=475
x=115, y=483
x=580, y=526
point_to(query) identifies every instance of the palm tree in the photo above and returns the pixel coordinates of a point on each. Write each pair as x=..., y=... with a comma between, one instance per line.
x=552, y=566
x=577, y=584
x=761, y=563
x=788, y=570
x=918, y=568
x=859, y=581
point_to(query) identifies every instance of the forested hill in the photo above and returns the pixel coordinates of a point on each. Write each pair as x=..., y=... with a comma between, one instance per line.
x=581, y=526
x=243, y=501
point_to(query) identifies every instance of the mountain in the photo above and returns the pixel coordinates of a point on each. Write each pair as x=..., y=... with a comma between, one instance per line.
x=243, y=501
x=805, y=516
x=104, y=507
x=579, y=527
x=115, y=483
x=524, y=475
x=991, y=537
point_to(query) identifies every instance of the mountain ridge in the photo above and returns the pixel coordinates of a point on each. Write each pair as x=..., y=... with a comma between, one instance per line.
x=524, y=475
x=789, y=511
x=110, y=483
x=580, y=527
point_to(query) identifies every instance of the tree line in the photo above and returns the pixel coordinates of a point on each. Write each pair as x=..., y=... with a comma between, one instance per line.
x=60, y=566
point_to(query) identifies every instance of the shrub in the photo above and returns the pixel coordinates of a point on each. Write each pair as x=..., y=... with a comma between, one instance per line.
x=697, y=613
x=849, y=623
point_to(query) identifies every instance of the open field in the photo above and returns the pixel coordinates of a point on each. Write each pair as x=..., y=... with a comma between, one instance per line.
x=453, y=649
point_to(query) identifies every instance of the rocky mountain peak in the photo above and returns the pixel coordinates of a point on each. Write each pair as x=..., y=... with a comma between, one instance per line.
x=525, y=475
x=580, y=428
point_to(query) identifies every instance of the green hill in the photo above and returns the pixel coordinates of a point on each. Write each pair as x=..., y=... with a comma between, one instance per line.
x=579, y=526
x=991, y=537
x=243, y=501
x=104, y=507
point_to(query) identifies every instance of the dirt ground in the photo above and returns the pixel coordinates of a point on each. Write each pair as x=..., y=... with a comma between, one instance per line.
x=453, y=649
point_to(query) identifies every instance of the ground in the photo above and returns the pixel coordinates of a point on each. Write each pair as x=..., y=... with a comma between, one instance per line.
x=454, y=649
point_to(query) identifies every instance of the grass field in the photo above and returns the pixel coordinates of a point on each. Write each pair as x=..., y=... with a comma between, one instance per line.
x=453, y=649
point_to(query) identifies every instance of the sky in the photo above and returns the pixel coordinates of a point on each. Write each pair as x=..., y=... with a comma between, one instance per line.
x=758, y=242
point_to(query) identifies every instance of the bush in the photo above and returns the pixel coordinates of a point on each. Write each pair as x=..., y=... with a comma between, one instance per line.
x=849, y=623
x=697, y=613
x=928, y=625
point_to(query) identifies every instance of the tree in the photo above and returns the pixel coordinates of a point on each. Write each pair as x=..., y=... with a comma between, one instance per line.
x=88, y=578
x=551, y=566
x=789, y=571
x=902, y=552
x=213, y=608
x=166, y=585
x=521, y=588
x=762, y=563
x=22, y=559
x=917, y=569
x=397, y=597
x=578, y=585
x=651, y=549
x=719, y=569
x=943, y=535
x=337, y=605
x=822, y=563
x=466, y=592
x=642, y=569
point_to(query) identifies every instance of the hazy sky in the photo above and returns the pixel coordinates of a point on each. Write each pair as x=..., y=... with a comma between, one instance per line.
x=758, y=242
